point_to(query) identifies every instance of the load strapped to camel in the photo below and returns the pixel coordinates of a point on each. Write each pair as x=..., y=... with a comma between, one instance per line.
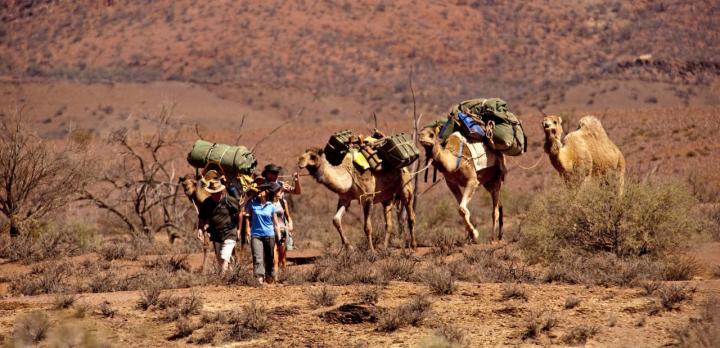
x=376, y=152
x=232, y=160
x=480, y=119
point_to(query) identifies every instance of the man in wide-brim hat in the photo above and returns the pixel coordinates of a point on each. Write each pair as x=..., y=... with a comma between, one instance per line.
x=219, y=216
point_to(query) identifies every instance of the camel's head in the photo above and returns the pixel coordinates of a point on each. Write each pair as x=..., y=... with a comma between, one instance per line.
x=552, y=125
x=310, y=160
x=189, y=185
x=428, y=136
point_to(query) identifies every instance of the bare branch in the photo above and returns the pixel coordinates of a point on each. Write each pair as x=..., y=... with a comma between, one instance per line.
x=267, y=136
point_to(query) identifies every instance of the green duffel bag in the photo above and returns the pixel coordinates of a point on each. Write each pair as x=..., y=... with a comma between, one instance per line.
x=337, y=146
x=398, y=151
x=508, y=137
x=232, y=159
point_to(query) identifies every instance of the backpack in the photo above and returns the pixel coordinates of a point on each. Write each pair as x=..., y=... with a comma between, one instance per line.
x=231, y=159
x=508, y=136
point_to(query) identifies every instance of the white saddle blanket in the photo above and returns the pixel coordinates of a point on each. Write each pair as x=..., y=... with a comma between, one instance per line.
x=482, y=157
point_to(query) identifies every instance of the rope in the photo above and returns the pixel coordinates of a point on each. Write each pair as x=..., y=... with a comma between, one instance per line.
x=421, y=170
x=533, y=166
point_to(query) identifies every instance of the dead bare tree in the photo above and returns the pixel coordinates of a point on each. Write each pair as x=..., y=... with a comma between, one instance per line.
x=140, y=187
x=34, y=179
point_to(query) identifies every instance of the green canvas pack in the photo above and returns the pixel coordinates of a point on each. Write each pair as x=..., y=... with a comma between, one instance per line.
x=337, y=146
x=508, y=135
x=232, y=159
x=398, y=151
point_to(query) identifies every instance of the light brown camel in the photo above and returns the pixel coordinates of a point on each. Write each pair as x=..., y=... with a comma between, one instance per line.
x=193, y=191
x=367, y=187
x=586, y=152
x=461, y=177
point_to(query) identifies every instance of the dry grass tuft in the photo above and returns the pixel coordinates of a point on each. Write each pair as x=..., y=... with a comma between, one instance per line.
x=63, y=301
x=369, y=295
x=106, y=310
x=411, y=313
x=439, y=279
x=514, y=291
x=671, y=296
x=183, y=328
x=451, y=334
x=580, y=334
x=571, y=302
x=704, y=331
x=538, y=321
x=31, y=328
x=650, y=287
x=323, y=297
x=149, y=297
x=252, y=321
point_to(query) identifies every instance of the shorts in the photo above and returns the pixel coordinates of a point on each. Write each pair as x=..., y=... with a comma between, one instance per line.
x=224, y=250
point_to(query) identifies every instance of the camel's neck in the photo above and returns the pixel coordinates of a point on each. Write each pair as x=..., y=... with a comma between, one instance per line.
x=443, y=159
x=335, y=178
x=553, y=147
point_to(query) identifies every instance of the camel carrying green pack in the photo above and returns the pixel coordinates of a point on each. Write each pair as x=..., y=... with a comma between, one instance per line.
x=508, y=136
x=232, y=159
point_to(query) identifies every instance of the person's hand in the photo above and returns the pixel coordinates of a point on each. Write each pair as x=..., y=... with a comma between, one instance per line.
x=296, y=177
x=290, y=225
x=199, y=234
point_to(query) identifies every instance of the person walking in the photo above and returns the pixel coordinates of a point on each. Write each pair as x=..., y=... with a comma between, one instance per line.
x=262, y=224
x=271, y=173
x=219, y=216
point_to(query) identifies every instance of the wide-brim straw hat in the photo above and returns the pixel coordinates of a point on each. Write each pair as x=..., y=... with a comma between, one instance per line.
x=212, y=185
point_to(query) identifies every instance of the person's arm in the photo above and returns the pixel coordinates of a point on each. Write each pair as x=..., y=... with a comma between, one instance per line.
x=296, y=183
x=287, y=215
x=276, y=227
x=247, y=223
x=202, y=223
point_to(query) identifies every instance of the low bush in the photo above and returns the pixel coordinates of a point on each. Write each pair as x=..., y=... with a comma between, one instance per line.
x=704, y=331
x=538, y=321
x=411, y=313
x=63, y=301
x=149, y=297
x=671, y=296
x=322, y=297
x=45, y=278
x=580, y=334
x=183, y=328
x=439, y=279
x=514, y=291
x=369, y=295
x=653, y=219
x=31, y=328
x=571, y=302
x=451, y=334
x=106, y=309
x=249, y=323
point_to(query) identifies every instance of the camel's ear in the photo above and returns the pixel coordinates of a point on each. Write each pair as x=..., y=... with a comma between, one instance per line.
x=560, y=119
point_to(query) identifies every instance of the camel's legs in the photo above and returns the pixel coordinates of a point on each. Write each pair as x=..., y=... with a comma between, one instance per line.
x=407, y=200
x=496, y=214
x=342, y=206
x=463, y=197
x=367, y=209
x=388, y=206
x=466, y=196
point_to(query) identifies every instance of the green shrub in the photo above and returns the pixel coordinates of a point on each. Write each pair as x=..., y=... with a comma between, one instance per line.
x=649, y=219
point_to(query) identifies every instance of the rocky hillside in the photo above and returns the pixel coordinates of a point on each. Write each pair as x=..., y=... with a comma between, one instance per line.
x=517, y=49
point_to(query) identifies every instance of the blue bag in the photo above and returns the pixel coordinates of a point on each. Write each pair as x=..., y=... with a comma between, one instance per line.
x=470, y=128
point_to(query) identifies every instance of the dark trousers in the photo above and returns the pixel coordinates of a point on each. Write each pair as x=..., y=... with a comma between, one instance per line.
x=263, y=252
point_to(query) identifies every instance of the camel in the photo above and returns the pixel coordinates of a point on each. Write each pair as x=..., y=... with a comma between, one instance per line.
x=368, y=187
x=461, y=177
x=193, y=191
x=586, y=152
